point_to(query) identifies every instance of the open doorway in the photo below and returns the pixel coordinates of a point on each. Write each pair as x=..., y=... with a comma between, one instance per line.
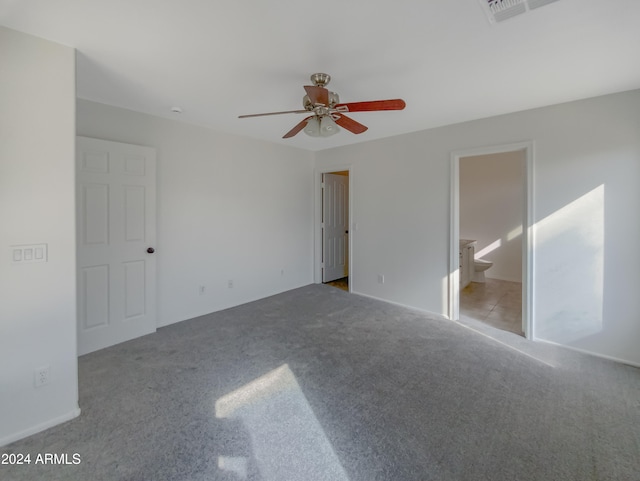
x=491, y=211
x=333, y=230
x=491, y=248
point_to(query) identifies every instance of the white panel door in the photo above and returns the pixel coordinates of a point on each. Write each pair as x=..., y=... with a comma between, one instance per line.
x=335, y=219
x=116, y=229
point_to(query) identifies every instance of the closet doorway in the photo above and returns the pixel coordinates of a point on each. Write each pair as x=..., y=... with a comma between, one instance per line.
x=332, y=229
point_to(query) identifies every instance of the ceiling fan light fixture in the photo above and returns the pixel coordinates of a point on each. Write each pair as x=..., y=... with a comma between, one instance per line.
x=312, y=128
x=328, y=127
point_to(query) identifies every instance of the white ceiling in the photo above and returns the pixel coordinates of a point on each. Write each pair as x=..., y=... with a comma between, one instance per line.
x=218, y=59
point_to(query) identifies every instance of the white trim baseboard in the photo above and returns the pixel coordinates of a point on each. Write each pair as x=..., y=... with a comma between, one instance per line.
x=41, y=427
x=439, y=317
x=590, y=353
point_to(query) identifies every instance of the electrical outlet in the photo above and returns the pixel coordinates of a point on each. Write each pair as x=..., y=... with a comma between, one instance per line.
x=380, y=278
x=201, y=290
x=41, y=376
x=282, y=272
x=230, y=283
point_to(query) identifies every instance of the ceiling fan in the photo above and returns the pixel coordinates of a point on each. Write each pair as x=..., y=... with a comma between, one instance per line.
x=328, y=112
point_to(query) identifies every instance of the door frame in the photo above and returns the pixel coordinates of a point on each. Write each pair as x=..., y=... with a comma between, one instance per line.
x=528, y=234
x=317, y=224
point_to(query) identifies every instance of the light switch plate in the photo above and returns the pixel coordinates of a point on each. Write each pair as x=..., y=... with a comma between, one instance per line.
x=28, y=253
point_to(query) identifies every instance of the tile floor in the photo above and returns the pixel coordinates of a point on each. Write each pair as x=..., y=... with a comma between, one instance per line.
x=495, y=302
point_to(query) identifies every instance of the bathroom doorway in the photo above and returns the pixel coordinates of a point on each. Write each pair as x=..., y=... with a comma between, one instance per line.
x=490, y=215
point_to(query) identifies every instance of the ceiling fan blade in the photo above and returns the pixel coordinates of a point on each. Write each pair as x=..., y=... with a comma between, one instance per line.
x=393, y=104
x=349, y=124
x=317, y=95
x=274, y=113
x=297, y=128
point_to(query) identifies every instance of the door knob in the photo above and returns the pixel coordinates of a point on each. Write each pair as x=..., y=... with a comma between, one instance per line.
x=346, y=232
x=151, y=250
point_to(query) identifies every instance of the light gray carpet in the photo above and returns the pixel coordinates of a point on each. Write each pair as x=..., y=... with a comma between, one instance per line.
x=317, y=384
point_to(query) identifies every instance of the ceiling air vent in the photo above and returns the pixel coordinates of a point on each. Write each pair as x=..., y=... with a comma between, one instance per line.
x=500, y=10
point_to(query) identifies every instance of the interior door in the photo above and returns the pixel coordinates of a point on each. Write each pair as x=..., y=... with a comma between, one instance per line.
x=116, y=234
x=335, y=232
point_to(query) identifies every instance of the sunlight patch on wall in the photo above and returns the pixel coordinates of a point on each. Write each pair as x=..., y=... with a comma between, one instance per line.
x=491, y=247
x=570, y=270
x=287, y=441
x=514, y=234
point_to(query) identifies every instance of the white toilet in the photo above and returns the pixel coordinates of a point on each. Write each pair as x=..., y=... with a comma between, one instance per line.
x=479, y=266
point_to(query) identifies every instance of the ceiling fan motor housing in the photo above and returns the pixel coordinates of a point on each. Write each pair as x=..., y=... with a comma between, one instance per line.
x=334, y=99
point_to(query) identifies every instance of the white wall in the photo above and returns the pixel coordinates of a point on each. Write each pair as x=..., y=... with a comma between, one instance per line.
x=37, y=301
x=229, y=208
x=491, y=210
x=587, y=214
